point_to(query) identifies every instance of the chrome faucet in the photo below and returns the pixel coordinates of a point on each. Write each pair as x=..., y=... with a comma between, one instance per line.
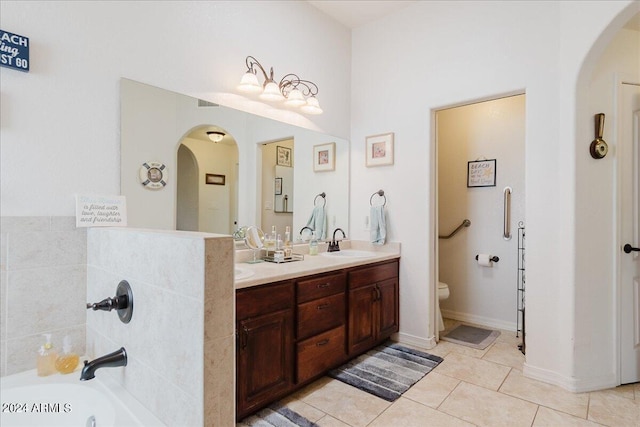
x=117, y=358
x=334, y=246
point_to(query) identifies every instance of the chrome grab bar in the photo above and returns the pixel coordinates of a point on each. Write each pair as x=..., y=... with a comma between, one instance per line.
x=465, y=223
x=506, y=234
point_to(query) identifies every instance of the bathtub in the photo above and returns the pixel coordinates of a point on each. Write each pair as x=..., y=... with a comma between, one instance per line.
x=64, y=400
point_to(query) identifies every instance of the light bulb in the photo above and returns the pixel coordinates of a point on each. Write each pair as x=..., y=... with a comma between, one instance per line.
x=312, y=106
x=271, y=92
x=249, y=83
x=295, y=99
x=215, y=136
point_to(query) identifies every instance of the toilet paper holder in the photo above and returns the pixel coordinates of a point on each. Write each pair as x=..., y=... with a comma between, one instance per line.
x=493, y=258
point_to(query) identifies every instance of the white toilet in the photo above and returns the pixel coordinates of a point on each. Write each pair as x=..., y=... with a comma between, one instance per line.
x=443, y=293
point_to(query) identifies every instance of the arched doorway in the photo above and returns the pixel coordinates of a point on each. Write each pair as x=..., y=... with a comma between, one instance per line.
x=604, y=298
x=207, y=175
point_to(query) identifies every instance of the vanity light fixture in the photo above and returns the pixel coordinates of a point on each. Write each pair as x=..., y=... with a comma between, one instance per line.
x=294, y=91
x=215, y=136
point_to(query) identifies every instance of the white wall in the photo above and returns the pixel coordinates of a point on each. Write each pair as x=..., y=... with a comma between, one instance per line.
x=60, y=121
x=537, y=47
x=488, y=130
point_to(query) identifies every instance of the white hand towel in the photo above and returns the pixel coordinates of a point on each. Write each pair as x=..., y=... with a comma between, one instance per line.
x=317, y=222
x=378, y=231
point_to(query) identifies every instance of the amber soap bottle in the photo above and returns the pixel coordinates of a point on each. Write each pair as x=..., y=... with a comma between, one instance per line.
x=67, y=361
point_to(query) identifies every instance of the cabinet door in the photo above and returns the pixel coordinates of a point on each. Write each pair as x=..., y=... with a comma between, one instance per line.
x=388, y=306
x=264, y=360
x=362, y=318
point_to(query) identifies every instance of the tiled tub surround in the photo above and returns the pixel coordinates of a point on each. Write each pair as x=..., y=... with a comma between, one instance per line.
x=180, y=339
x=42, y=287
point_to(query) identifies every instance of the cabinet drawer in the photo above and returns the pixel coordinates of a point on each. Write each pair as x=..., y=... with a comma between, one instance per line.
x=321, y=287
x=251, y=302
x=368, y=275
x=320, y=353
x=321, y=314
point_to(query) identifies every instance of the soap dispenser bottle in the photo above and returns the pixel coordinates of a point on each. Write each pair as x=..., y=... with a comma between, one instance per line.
x=46, y=360
x=67, y=361
x=288, y=247
x=313, y=244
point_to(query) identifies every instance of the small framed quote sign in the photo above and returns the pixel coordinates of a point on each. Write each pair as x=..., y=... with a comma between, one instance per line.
x=101, y=211
x=481, y=173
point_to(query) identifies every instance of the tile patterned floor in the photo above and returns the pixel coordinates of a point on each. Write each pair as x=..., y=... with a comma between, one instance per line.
x=470, y=388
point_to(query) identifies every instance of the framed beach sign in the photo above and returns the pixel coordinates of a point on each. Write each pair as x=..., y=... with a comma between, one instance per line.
x=481, y=173
x=283, y=156
x=379, y=150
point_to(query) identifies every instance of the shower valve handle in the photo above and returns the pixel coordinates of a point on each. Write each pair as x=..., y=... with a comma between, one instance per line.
x=108, y=304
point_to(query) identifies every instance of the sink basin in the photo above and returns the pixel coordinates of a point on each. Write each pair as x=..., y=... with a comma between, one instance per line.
x=349, y=253
x=242, y=273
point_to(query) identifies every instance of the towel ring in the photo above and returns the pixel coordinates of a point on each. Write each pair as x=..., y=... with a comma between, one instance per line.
x=324, y=199
x=379, y=193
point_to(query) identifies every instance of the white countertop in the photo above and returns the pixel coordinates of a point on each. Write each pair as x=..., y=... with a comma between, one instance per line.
x=268, y=272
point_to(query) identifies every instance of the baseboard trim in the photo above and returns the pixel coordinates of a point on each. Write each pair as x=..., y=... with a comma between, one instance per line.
x=575, y=385
x=426, y=343
x=479, y=320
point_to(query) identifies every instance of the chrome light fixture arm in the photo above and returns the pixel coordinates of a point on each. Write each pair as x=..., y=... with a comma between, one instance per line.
x=291, y=89
x=292, y=81
x=252, y=63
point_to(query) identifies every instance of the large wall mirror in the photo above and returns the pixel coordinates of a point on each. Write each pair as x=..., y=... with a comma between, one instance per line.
x=218, y=186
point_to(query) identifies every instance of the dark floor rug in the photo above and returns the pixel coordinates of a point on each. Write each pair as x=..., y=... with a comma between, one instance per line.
x=470, y=336
x=276, y=416
x=387, y=371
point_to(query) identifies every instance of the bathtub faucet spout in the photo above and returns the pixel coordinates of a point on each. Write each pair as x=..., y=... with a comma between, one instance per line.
x=117, y=358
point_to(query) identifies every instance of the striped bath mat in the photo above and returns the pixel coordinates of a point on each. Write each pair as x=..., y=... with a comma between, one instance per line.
x=387, y=371
x=276, y=416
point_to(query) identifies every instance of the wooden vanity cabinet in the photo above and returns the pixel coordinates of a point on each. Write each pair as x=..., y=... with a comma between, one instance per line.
x=265, y=345
x=291, y=332
x=373, y=306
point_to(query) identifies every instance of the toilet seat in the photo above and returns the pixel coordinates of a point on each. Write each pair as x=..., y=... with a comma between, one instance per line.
x=443, y=293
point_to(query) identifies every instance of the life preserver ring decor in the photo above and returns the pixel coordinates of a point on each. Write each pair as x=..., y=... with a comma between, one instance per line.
x=153, y=175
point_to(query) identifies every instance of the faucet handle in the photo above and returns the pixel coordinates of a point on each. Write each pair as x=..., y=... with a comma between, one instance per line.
x=122, y=302
x=116, y=303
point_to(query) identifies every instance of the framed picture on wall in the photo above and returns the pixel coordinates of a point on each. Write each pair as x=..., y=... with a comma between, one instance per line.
x=379, y=150
x=278, y=187
x=481, y=173
x=283, y=156
x=324, y=157
x=214, y=179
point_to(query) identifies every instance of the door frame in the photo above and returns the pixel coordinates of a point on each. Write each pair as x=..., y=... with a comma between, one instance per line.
x=620, y=79
x=434, y=205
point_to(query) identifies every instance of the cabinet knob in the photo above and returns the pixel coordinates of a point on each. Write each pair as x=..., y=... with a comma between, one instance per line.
x=323, y=342
x=323, y=306
x=323, y=285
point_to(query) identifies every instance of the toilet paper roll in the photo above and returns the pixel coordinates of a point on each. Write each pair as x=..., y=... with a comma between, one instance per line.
x=485, y=260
